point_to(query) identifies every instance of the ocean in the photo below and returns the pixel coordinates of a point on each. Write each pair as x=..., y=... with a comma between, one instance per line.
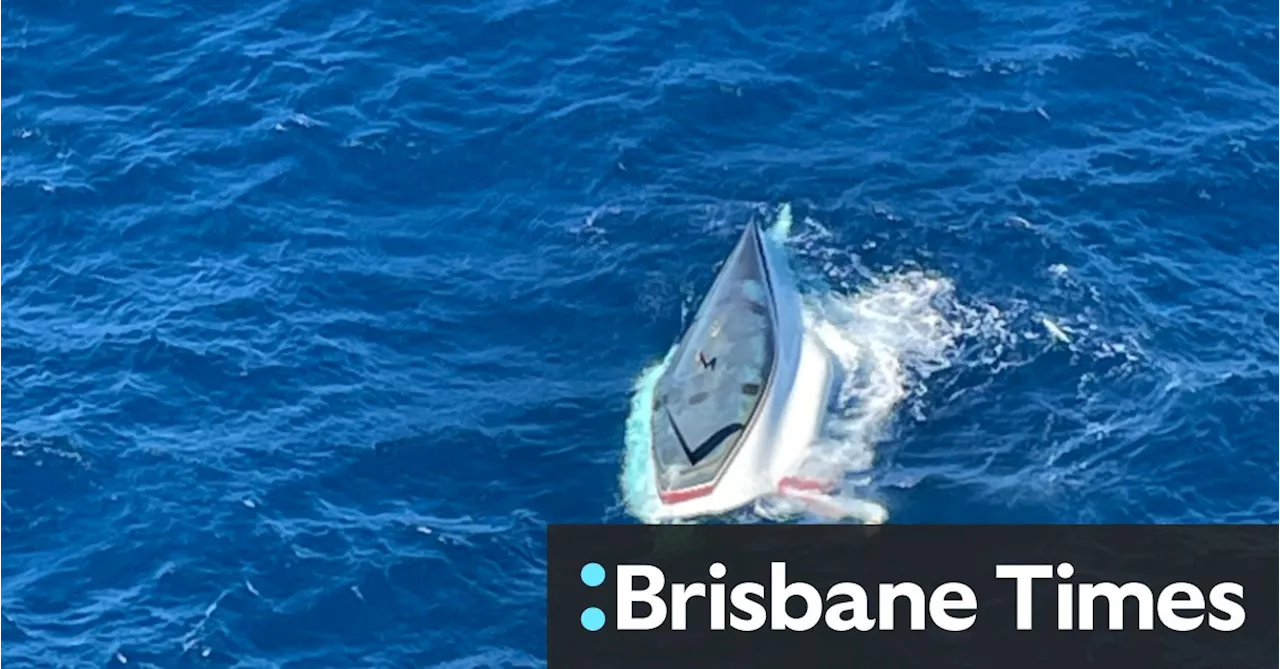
x=318, y=313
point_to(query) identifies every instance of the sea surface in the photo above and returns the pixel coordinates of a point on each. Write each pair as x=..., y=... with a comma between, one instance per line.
x=316, y=313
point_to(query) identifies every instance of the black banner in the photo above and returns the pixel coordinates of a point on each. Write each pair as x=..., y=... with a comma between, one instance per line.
x=898, y=596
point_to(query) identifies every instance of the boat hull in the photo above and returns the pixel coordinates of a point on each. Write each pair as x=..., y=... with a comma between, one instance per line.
x=790, y=416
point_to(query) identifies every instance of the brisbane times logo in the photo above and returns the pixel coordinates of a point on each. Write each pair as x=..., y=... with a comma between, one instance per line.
x=903, y=596
x=646, y=601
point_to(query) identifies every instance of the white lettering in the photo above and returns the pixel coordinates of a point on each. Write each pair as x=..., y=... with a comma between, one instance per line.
x=939, y=605
x=781, y=592
x=628, y=597
x=756, y=614
x=1234, y=610
x=890, y=592
x=1168, y=606
x=681, y=593
x=1023, y=574
x=1115, y=596
x=857, y=605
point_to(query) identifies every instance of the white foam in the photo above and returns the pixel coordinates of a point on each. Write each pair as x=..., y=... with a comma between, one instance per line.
x=638, y=494
x=889, y=337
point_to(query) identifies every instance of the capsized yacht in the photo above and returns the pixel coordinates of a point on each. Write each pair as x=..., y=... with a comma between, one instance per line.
x=744, y=395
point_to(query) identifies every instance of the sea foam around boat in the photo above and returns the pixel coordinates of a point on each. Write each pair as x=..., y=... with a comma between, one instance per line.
x=889, y=336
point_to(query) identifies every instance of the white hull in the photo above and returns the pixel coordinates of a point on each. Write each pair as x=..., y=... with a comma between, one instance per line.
x=790, y=416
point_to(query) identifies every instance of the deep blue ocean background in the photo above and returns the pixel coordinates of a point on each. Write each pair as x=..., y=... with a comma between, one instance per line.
x=316, y=313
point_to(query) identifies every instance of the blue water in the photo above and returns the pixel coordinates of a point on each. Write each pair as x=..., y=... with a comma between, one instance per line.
x=316, y=313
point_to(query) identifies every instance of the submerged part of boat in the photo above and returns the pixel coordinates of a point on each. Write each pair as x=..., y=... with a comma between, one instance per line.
x=745, y=393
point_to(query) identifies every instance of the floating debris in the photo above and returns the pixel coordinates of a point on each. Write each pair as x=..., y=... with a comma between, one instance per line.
x=1056, y=331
